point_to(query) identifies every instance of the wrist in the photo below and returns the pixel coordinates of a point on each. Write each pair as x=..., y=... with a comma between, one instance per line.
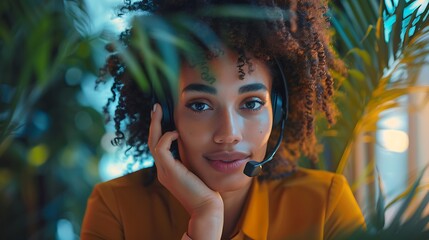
x=206, y=222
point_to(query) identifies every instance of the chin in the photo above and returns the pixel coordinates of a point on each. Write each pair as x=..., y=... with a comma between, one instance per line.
x=227, y=183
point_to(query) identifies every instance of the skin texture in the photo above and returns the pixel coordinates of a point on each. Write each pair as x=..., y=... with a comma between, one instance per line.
x=229, y=121
x=223, y=121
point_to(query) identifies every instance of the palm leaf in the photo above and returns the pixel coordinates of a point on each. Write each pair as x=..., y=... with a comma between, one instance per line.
x=160, y=41
x=412, y=227
x=34, y=48
x=382, y=68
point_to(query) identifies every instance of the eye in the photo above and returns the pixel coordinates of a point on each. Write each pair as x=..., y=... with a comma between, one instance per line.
x=199, y=106
x=253, y=104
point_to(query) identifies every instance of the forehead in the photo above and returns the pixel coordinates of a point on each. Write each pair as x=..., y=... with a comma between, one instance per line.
x=228, y=70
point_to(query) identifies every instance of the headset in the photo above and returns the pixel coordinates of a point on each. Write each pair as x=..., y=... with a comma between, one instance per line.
x=280, y=105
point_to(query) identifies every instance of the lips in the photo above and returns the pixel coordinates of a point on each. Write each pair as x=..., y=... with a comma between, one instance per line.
x=226, y=156
x=227, y=162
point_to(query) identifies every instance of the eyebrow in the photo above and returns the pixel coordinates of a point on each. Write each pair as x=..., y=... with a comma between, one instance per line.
x=211, y=90
x=200, y=88
x=253, y=87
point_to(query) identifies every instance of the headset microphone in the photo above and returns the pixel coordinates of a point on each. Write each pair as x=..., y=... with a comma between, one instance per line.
x=254, y=168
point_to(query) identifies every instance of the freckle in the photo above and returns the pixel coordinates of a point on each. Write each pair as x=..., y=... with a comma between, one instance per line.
x=260, y=131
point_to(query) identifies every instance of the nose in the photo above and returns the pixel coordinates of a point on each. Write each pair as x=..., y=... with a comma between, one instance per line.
x=229, y=128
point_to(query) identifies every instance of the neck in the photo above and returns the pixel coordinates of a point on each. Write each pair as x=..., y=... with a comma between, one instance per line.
x=233, y=207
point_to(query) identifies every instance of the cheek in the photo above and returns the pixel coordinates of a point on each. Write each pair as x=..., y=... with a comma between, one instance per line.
x=190, y=129
x=190, y=136
x=186, y=144
x=262, y=130
x=264, y=133
x=193, y=136
x=258, y=139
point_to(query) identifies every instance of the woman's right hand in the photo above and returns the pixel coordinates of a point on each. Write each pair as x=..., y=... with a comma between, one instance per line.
x=204, y=205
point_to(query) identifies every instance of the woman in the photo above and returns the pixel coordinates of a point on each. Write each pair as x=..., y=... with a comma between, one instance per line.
x=224, y=114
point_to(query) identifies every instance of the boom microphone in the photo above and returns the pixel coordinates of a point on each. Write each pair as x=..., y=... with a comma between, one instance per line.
x=254, y=168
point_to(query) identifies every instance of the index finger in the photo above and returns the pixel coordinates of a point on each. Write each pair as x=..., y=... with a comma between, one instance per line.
x=155, y=129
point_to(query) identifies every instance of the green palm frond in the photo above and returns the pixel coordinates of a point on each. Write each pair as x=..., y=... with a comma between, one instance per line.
x=402, y=226
x=159, y=46
x=383, y=67
x=161, y=41
x=36, y=43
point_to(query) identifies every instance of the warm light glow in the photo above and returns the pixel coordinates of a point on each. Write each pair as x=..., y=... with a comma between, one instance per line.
x=393, y=140
x=393, y=122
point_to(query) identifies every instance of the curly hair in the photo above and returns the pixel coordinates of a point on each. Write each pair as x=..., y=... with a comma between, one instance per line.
x=296, y=32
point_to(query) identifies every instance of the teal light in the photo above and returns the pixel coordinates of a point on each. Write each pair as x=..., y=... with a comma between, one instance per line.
x=390, y=19
x=65, y=230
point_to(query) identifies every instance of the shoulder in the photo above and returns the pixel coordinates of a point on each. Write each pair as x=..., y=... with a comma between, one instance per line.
x=311, y=179
x=132, y=184
x=323, y=197
x=127, y=195
x=319, y=197
x=118, y=208
x=305, y=186
x=137, y=178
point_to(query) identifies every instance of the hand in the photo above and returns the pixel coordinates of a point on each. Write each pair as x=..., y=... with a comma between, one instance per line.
x=204, y=205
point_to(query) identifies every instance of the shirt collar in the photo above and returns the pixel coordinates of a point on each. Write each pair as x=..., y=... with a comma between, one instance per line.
x=255, y=221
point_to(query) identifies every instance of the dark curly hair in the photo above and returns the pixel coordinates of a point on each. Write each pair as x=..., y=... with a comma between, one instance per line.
x=295, y=32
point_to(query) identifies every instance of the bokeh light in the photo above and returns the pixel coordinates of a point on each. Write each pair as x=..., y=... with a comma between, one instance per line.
x=38, y=155
x=393, y=140
x=65, y=230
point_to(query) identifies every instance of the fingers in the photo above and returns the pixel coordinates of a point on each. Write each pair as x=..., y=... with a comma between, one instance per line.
x=189, y=189
x=160, y=144
x=155, y=130
x=165, y=163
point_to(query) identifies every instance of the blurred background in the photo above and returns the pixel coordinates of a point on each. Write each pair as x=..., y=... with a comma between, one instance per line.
x=55, y=144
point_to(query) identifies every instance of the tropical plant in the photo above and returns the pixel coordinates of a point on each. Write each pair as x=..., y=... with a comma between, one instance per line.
x=384, y=61
x=42, y=175
x=384, y=44
x=409, y=221
x=47, y=155
x=37, y=42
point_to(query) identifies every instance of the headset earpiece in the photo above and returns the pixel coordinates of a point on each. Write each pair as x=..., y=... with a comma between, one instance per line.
x=167, y=121
x=277, y=105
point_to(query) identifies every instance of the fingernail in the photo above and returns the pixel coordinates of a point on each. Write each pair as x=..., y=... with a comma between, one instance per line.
x=153, y=110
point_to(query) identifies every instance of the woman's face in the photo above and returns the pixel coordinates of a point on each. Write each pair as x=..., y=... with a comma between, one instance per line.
x=224, y=124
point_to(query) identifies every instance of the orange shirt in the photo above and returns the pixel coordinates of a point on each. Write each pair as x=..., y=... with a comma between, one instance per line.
x=308, y=205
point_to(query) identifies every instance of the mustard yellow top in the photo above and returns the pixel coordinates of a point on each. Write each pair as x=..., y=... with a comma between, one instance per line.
x=308, y=205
